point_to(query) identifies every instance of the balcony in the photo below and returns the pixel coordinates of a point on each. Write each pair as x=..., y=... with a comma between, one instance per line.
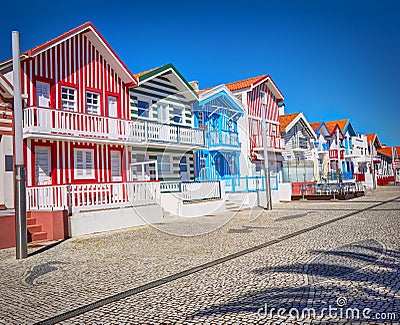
x=60, y=124
x=273, y=143
x=222, y=138
x=155, y=132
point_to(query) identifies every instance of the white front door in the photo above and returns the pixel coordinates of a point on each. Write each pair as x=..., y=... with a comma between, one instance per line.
x=113, y=112
x=43, y=165
x=163, y=116
x=116, y=171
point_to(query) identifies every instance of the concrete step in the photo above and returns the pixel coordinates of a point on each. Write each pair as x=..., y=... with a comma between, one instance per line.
x=37, y=236
x=30, y=221
x=34, y=228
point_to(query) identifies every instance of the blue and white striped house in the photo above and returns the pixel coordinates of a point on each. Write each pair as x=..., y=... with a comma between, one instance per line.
x=218, y=111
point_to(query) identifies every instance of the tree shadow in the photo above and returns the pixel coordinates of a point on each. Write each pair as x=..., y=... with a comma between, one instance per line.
x=358, y=276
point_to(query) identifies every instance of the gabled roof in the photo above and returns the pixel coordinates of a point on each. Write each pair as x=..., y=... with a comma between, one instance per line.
x=372, y=138
x=288, y=121
x=218, y=92
x=164, y=70
x=344, y=125
x=6, y=88
x=285, y=120
x=388, y=151
x=315, y=125
x=95, y=37
x=254, y=82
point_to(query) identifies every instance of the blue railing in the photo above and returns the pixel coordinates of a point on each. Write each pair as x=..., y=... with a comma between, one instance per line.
x=235, y=184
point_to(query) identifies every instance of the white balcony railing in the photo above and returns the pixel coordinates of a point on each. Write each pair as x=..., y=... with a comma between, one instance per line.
x=52, y=122
x=92, y=196
x=272, y=142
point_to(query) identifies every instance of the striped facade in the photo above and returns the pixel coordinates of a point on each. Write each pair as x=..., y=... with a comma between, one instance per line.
x=297, y=143
x=272, y=116
x=161, y=91
x=75, y=63
x=82, y=61
x=170, y=104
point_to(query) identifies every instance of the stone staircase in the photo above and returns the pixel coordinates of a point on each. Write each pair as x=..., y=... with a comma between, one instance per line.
x=231, y=205
x=35, y=232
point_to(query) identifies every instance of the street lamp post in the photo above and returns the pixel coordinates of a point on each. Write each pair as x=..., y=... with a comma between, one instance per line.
x=19, y=171
x=268, y=205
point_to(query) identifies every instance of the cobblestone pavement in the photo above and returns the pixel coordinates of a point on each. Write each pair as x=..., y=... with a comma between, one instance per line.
x=352, y=265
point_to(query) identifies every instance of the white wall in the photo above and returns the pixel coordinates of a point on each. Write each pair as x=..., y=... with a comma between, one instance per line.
x=82, y=223
x=6, y=178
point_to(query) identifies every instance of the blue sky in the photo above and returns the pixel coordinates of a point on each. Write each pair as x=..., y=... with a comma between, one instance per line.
x=331, y=59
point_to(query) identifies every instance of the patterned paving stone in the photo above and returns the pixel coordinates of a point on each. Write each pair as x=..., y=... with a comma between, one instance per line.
x=296, y=273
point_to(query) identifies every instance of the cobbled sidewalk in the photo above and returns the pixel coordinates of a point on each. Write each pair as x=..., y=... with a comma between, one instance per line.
x=356, y=259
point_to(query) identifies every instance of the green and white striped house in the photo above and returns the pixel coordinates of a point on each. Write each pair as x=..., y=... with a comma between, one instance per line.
x=162, y=106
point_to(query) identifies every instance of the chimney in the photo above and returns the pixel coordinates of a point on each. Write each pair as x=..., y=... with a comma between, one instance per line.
x=194, y=84
x=281, y=108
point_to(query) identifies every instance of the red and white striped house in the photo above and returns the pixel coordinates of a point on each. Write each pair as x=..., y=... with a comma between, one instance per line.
x=77, y=124
x=254, y=93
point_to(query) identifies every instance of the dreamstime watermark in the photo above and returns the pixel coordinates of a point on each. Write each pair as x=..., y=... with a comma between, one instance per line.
x=336, y=312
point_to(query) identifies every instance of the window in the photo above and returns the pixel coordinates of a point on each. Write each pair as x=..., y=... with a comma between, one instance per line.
x=84, y=163
x=255, y=127
x=263, y=97
x=273, y=130
x=92, y=103
x=68, y=98
x=42, y=94
x=201, y=118
x=164, y=164
x=143, y=108
x=116, y=165
x=112, y=106
x=177, y=115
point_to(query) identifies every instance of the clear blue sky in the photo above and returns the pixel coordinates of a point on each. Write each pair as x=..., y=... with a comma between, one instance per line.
x=331, y=59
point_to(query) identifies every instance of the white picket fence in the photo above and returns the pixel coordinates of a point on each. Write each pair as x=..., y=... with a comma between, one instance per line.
x=92, y=196
x=196, y=191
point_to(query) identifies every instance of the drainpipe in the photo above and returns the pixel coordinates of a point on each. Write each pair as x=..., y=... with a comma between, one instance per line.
x=19, y=171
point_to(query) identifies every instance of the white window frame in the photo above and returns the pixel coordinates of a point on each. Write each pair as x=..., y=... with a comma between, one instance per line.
x=68, y=100
x=87, y=173
x=39, y=95
x=149, y=109
x=160, y=164
x=118, y=176
x=89, y=96
x=263, y=95
x=174, y=110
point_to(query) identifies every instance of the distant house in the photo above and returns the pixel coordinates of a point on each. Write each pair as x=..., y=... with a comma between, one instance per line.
x=161, y=106
x=254, y=94
x=386, y=156
x=218, y=112
x=299, y=137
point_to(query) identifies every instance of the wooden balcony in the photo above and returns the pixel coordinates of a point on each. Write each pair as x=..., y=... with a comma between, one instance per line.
x=221, y=138
x=60, y=124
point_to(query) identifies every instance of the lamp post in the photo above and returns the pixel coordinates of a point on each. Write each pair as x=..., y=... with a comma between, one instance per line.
x=268, y=205
x=19, y=170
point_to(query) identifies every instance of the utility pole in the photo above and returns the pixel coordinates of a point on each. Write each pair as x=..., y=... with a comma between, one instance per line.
x=19, y=170
x=339, y=168
x=268, y=205
x=372, y=166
